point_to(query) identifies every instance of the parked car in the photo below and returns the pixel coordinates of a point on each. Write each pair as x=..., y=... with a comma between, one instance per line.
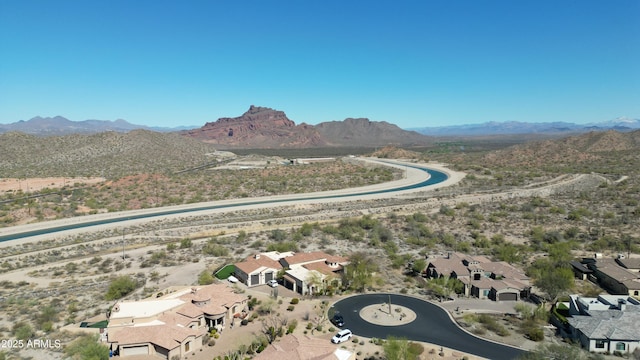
x=337, y=320
x=342, y=336
x=272, y=283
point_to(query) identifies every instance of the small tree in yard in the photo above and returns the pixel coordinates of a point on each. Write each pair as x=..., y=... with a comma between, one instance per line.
x=442, y=287
x=419, y=266
x=273, y=326
x=359, y=273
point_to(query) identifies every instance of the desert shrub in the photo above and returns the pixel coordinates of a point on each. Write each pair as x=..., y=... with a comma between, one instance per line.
x=120, y=286
x=294, y=301
x=416, y=348
x=214, y=249
x=292, y=326
x=87, y=347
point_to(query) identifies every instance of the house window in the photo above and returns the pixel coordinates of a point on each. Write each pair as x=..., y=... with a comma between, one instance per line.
x=599, y=344
x=485, y=292
x=621, y=346
x=636, y=293
x=186, y=346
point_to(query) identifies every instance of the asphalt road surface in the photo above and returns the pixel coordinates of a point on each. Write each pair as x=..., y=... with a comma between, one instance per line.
x=432, y=325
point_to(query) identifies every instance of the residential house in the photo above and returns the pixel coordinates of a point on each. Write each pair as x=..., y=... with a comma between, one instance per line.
x=302, y=347
x=311, y=272
x=616, y=278
x=174, y=324
x=258, y=269
x=606, y=324
x=305, y=273
x=481, y=277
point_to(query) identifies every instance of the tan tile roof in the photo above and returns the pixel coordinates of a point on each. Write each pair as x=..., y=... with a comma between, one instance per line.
x=322, y=267
x=300, y=258
x=173, y=318
x=189, y=310
x=454, y=263
x=630, y=263
x=446, y=266
x=252, y=264
x=484, y=283
x=299, y=347
x=611, y=268
x=166, y=336
x=212, y=299
x=508, y=284
x=505, y=270
x=219, y=293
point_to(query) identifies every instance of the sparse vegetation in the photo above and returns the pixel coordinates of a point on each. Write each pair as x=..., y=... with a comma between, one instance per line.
x=538, y=217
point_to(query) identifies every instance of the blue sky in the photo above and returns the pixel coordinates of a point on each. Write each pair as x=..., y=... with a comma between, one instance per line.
x=412, y=63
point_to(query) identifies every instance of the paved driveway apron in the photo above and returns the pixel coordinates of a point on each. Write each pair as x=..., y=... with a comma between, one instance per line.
x=432, y=325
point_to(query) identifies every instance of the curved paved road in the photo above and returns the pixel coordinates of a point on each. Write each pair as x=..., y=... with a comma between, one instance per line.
x=432, y=325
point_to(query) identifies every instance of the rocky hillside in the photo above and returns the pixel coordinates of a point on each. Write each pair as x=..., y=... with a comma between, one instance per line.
x=262, y=127
x=108, y=154
x=362, y=132
x=392, y=152
x=259, y=127
x=571, y=150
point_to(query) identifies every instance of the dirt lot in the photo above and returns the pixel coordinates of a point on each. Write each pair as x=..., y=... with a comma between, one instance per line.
x=37, y=184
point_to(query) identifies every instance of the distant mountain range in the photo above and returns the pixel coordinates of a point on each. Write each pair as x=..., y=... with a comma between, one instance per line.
x=265, y=127
x=58, y=125
x=514, y=127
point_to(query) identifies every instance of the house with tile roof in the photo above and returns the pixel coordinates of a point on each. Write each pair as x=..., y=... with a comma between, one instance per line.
x=175, y=324
x=606, y=324
x=617, y=279
x=258, y=269
x=312, y=272
x=481, y=277
x=302, y=347
x=305, y=273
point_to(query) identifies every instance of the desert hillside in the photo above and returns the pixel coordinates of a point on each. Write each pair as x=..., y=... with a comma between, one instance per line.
x=363, y=132
x=265, y=128
x=590, y=148
x=107, y=154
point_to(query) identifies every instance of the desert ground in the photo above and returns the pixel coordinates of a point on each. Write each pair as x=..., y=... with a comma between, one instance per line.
x=77, y=266
x=38, y=184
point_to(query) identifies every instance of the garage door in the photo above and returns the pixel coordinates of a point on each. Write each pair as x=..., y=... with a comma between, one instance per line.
x=255, y=279
x=508, y=296
x=134, y=350
x=268, y=276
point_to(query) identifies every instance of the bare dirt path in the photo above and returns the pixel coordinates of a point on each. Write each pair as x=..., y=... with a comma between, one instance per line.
x=38, y=184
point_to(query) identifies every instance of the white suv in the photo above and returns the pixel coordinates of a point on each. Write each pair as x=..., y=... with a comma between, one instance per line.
x=342, y=336
x=272, y=283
